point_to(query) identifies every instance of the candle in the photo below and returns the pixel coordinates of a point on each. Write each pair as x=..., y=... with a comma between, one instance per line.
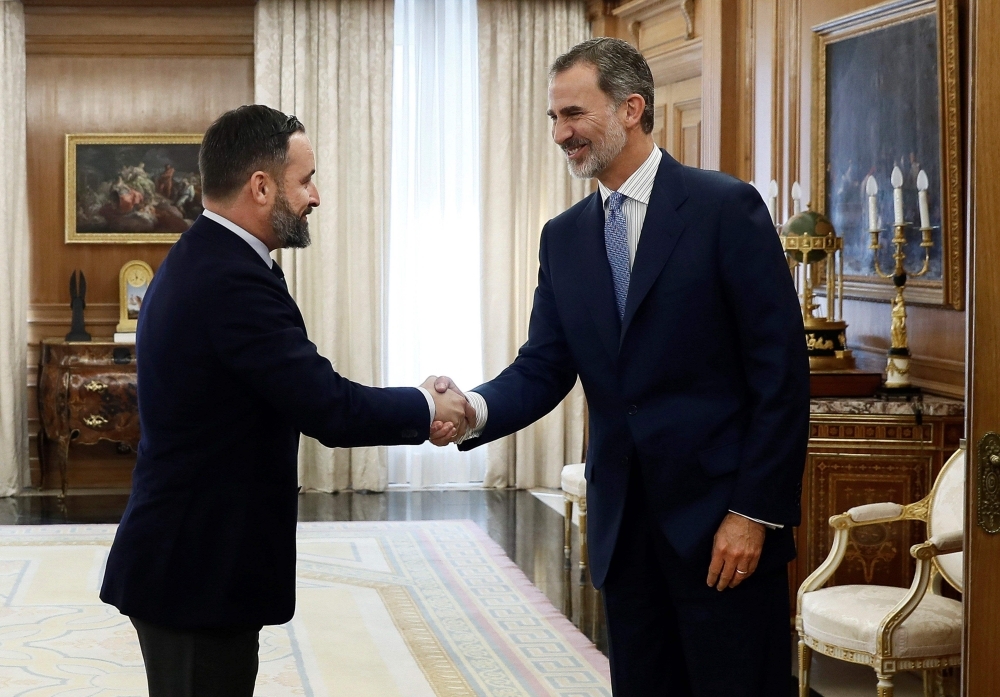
x=872, y=188
x=772, y=201
x=925, y=213
x=897, y=194
x=796, y=199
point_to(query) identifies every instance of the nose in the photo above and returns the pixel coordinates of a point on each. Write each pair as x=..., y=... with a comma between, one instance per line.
x=313, y=195
x=561, y=132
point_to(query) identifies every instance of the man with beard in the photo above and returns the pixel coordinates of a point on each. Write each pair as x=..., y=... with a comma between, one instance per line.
x=667, y=293
x=205, y=552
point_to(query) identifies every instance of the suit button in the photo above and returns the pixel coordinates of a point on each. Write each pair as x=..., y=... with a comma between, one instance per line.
x=633, y=410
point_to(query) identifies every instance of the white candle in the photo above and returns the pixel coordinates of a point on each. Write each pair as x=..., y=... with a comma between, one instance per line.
x=772, y=201
x=925, y=212
x=872, y=188
x=897, y=194
x=796, y=199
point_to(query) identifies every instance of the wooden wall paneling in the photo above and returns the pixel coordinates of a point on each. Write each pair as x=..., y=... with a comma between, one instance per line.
x=727, y=69
x=982, y=548
x=765, y=22
x=785, y=58
x=106, y=70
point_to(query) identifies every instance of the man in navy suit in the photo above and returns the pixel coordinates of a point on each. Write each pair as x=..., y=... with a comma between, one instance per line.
x=205, y=552
x=668, y=294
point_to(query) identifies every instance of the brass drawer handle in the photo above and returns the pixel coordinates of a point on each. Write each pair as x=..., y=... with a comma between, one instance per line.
x=988, y=484
x=94, y=420
x=95, y=386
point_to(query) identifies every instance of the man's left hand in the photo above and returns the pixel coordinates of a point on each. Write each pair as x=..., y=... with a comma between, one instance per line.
x=738, y=543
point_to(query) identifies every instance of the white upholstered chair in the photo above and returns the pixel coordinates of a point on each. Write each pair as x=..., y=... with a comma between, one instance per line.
x=574, y=486
x=891, y=629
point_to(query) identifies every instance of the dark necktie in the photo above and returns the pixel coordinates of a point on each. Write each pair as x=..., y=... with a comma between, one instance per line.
x=276, y=270
x=616, y=243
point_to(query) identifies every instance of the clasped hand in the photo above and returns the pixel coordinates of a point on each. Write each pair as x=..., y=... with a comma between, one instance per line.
x=453, y=415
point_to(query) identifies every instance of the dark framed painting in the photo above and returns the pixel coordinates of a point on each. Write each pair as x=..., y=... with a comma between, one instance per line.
x=886, y=95
x=131, y=187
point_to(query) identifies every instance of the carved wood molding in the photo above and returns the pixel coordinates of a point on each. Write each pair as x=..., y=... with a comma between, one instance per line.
x=676, y=65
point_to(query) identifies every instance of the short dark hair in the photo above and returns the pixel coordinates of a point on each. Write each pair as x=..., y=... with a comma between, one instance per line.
x=241, y=142
x=621, y=71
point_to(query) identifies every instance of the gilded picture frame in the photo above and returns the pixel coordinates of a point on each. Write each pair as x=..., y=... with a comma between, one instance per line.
x=131, y=188
x=886, y=93
x=133, y=282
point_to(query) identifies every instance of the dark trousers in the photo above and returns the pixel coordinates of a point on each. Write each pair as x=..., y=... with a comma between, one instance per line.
x=670, y=635
x=198, y=663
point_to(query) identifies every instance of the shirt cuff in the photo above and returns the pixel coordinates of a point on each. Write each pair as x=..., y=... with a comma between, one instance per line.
x=430, y=403
x=482, y=413
x=773, y=526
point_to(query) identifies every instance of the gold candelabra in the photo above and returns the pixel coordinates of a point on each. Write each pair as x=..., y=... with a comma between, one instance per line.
x=897, y=372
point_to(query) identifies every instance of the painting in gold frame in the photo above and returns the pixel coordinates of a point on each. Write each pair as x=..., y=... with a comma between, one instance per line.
x=133, y=188
x=886, y=94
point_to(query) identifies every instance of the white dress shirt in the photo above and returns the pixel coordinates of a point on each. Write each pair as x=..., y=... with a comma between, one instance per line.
x=636, y=190
x=258, y=246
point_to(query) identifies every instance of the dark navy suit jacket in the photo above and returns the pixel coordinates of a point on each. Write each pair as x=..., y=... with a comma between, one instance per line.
x=227, y=382
x=705, y=382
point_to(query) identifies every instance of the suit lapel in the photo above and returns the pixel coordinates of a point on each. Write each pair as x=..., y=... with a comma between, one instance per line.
x=660, y=231
x=597, y=287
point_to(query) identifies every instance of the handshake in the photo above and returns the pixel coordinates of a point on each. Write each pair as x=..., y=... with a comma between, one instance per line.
x=454, y=416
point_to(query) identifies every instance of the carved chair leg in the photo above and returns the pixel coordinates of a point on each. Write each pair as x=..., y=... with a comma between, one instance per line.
x=582, y=503
x=567, y=526
x=885, y=687
x=805, y=660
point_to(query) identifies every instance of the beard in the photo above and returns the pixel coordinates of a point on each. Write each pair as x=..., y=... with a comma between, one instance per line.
x=602, y=152
x=291, y=230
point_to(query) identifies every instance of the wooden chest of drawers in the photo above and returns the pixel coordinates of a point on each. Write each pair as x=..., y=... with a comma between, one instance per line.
x=86, y=394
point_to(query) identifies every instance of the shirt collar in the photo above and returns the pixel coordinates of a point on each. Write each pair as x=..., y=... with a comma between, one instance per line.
x=254, y=242
x=639, y=186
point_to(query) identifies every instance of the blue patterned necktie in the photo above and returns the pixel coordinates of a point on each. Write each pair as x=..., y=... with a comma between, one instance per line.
x=616, y=243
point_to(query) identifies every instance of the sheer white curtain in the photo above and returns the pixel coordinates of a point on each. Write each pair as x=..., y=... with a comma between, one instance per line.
x=329, y=63
x=14, y=258
x=434, y=289
x=525, y=183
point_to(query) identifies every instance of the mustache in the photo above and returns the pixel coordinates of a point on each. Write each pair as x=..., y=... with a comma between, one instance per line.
x=575, y=143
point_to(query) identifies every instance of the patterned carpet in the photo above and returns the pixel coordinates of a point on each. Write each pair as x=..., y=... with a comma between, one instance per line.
x=399, y=608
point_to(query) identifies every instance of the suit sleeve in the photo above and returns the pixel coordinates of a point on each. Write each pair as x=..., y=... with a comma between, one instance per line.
x=760, y=291
x=256, y=333
x=542, y=374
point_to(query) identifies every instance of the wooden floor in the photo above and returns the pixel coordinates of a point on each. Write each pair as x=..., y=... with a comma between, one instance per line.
x=530, y=532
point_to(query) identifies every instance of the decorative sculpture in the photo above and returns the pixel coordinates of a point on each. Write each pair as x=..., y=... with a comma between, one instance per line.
x=78, y=294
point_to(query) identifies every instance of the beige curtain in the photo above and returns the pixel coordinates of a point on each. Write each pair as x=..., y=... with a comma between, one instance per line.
x=524, y=184
x=14, y=257
x=329, y=62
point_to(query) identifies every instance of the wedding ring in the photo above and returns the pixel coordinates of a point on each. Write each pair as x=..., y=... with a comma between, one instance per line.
x=741, y=572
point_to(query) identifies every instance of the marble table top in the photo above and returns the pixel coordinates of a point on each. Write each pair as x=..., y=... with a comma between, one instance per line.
x=931, y=405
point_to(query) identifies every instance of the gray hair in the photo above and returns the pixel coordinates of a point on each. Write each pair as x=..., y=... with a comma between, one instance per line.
x=621, y=71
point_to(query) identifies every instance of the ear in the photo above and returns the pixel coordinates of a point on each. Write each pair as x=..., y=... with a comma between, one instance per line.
x=261, y=187
x=635, y=105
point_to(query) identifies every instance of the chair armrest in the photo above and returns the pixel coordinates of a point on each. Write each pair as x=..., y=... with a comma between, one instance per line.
x=946, y=543
x=923, y=553
x=875, y=513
